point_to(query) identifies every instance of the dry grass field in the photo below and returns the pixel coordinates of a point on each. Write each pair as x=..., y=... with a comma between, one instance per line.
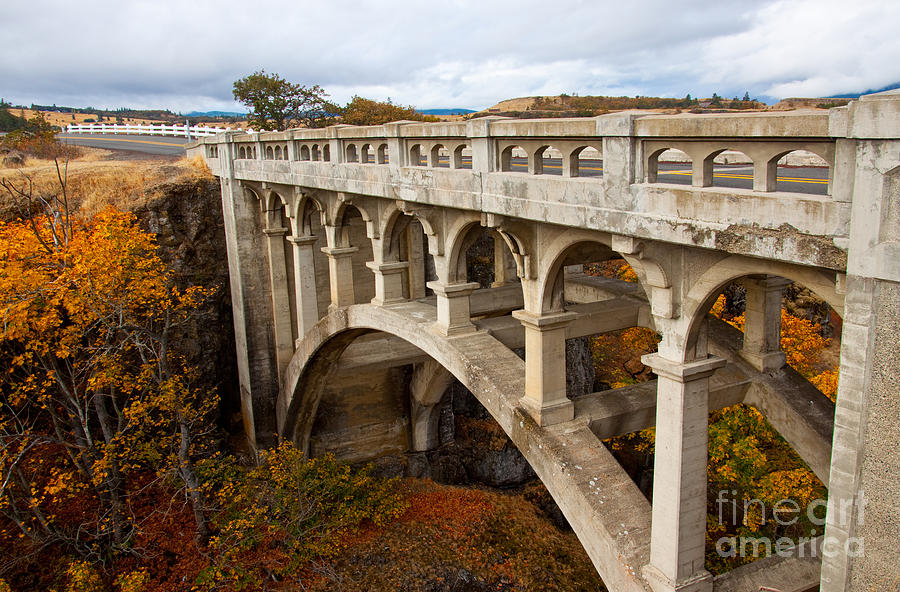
x=98, y=179
x=64, y=119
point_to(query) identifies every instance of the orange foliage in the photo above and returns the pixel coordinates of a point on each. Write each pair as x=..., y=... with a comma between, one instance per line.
x=802, y=343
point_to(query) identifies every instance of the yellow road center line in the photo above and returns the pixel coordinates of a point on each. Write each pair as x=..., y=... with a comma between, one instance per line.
x=727, y=176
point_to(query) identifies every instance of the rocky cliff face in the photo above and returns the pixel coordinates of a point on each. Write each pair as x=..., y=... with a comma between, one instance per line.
x=186, y=216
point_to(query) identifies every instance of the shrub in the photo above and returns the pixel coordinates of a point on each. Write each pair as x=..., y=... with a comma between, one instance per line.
x=288, y=512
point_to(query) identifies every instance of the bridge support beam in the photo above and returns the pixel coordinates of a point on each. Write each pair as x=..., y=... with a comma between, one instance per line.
x=678, y=525
x=305, y=283
x=453, y=309
x=281, y=303
x=340, y=274
x=504, y=265
x=762, y=323
x=545, y=368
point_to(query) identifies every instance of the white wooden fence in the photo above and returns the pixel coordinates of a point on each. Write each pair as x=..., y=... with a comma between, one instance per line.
x=184, y=131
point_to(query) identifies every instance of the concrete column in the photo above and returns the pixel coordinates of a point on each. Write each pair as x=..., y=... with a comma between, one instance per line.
x=415, y=248
x=484, y=157
x=427, y=385
x=292, y=152
x=251, y=305
x=340, y=275
x=504, y=266
x=535, y=163
x=545, y=366
x=281, y=303
x=861, y=528
x=305, y=283
x=762, y=325
x=569, y=164
x=765, y=175
x=388, y=281
x=678, y=523
x=453, y=316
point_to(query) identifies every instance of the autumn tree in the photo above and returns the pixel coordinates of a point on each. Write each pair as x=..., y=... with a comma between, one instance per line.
x=94, y=386
x=276, y=104
x=361, y=111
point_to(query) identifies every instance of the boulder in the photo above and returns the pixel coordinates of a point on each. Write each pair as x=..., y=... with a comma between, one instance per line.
x=14, y=159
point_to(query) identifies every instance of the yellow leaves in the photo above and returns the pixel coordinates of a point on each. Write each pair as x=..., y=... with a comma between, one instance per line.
x=133, y=581
x=827, y=382
x=83, y=578
x=802, y=343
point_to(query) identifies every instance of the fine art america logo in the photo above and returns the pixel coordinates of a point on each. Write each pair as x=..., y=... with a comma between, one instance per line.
x=785, y=513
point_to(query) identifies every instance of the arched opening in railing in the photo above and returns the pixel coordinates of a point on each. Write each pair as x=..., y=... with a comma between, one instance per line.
x=462, y=157
x=548, y=160
x=668, y=165
x=798, y=171
x=365, y=154
x=315, y=154
x=439, y=157
x=381, y=155
x=270, y=154
x=350, y=154
x=728, y=168
x=514, y=159
x=585, y=161
x=415, y=155
x=277, y=152
x=326, y=153
x=304, y=152
x=242, y=152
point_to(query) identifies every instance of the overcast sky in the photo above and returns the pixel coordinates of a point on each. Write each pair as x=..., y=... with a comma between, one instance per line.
x=184, y=55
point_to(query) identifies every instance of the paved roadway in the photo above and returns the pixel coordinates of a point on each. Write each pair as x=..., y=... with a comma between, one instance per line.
x=160, y=145
x=811, y=180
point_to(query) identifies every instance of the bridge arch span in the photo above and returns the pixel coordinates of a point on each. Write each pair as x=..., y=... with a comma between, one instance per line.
x=571, y=461
x=707, y=288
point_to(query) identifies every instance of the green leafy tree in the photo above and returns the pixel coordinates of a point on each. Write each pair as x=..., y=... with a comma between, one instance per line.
x=276, y=104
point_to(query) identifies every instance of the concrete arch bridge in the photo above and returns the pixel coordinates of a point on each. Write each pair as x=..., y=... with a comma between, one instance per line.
x=370, y=266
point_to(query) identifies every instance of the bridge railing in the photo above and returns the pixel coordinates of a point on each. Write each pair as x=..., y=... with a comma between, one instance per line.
x=183, y=131
x=638, y=142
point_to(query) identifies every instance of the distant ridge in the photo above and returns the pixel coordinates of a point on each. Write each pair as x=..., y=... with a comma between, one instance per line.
x=456, y=111
x=868, y=92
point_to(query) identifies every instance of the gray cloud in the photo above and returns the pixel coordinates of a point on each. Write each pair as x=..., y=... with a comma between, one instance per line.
x=185, y=55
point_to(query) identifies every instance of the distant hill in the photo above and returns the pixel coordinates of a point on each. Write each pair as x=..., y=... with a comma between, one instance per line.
x=456, y=111
x=215, y=114
x=565, y=105
x=867, y=92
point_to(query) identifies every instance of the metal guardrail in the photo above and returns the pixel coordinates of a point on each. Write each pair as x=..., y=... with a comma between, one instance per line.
x=184, y=131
